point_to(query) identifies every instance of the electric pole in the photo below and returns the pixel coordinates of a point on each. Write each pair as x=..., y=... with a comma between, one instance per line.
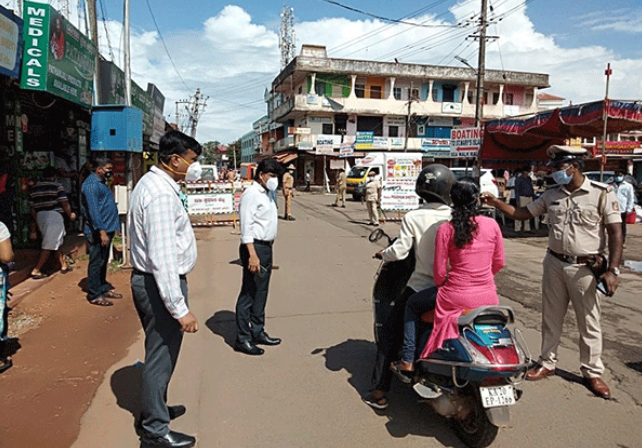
x=481, y=68
x=93, y=28
x=194, y=106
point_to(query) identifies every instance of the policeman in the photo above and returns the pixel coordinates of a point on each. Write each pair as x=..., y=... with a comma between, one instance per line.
x=288, y=192
x=581, y=213
x=341, y=189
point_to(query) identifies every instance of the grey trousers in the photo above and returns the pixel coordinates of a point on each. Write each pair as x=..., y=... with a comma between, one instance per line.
x=163, y=337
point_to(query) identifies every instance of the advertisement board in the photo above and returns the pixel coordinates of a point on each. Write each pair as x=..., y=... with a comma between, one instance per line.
x=465, y=142
x=210, y=203
x=380, y=143
x=364, y=140
x=324, y=146
x=433, y=147
x=57, y=57
x=10, y=43
x=346, y=150
x=399, y=194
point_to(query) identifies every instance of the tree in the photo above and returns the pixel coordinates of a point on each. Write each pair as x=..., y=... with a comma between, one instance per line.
x=209, y=155
x=232, y=148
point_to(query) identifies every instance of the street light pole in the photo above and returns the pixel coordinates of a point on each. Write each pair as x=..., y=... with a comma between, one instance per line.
x=481, y=69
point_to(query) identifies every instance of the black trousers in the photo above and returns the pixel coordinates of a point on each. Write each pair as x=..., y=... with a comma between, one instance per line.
x=389, y=343
x=163, y=338
x=97, y=268
x=250, y=305
x=624, y=214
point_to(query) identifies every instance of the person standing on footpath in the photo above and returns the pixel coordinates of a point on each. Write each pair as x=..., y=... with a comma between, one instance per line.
x=6, y=257
x=288, y=192
x=581, y=214
x=308, y=179
x=48, y=200
x=341, y=189
x=163, y=252
x=524, y=195
x=625, y=197
x=101, y=223
x=258, y=218
x=373, y=198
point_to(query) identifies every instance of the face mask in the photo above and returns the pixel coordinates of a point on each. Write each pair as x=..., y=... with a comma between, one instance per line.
x=561, y=177
x=272, y=183
x=619, y=179
x=194, y=172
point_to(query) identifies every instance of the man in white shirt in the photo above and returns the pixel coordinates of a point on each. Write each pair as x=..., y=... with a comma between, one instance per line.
x=163, y=252
x=626, y=198
x=418, y=231
x=258, y=216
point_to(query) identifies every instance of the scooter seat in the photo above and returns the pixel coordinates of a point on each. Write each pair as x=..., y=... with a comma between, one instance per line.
x=488, y=315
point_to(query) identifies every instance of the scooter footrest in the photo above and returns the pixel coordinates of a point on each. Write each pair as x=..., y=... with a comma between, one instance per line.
x=426, y=392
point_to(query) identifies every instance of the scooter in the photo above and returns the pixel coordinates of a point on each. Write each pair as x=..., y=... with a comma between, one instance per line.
x=472, y=380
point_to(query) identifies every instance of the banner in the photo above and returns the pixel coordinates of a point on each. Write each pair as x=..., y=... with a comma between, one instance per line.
x=625, y=148
x=210, y=203
x=465, y=142
x=399, y=194
x=346, y=150
x=435, y=147
x=364, y=140
x=57, y=58
x=10, y=43
x=325, y=146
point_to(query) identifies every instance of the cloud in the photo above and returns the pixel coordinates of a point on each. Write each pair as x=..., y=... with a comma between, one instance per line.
x=624, y=20
x=233, y=58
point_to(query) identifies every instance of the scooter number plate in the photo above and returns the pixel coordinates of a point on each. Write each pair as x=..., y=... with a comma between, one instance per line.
x=497, y=396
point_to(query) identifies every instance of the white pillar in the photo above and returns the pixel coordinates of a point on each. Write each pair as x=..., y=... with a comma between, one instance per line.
x=501, y=95
x=391, y=95
x=465, y=98
x=312, y=83
x=353, y=83
x=429, y=96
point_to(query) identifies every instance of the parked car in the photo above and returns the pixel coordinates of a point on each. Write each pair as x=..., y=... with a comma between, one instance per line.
x=595, y=176
x=487, y=182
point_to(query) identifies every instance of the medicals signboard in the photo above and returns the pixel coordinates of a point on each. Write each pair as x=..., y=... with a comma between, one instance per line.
x=465, y=142
x=364, y=140
x=57, y=57
x=10, y=43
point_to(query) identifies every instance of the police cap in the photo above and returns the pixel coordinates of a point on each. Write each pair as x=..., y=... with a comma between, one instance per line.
x=564, y=154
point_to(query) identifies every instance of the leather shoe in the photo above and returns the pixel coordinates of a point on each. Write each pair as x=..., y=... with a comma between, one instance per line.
x=598, y=387
x=176, y=411
x=248, y=348
x=265, y=339
x=539, y=373
x=172, y=440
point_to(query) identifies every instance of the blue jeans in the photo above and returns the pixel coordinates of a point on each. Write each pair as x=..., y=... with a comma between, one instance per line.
x=97, y=268
x=417, y=304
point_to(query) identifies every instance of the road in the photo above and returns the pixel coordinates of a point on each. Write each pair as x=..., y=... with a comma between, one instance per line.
x=307, y=391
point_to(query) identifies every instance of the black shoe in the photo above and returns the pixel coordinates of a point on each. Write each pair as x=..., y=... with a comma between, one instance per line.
x=265, y=339
x=176, y=411
x=172, y=440
x=248, y=348
x=291, y=218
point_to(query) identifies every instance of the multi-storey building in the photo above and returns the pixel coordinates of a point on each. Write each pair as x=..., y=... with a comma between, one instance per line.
x=405, y=106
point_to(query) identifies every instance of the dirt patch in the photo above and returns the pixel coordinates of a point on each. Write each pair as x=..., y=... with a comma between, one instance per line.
x=64, y=347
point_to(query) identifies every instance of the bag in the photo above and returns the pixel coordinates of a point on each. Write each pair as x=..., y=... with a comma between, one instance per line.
x=631, y=217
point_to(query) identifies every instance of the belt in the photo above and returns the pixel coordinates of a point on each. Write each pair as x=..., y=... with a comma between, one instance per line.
x=139, y=272
x=572, y=259
x=264, y=243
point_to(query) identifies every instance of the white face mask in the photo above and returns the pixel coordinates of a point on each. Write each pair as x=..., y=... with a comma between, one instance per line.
x=272, y=183
x=194, y=172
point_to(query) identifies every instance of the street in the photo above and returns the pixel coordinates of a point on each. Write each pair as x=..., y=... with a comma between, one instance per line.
x=307, y=391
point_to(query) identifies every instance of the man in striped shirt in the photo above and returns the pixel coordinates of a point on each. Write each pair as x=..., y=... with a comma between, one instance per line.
x=163, y=252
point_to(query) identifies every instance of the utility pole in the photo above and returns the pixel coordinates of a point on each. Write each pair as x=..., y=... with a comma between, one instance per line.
x=93, y=28
x=194, y=106
x=129, y=170
x=481, y=69
x=608, y=72
x=405, y=145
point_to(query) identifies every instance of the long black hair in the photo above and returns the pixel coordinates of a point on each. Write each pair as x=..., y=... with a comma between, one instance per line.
x=464, y=195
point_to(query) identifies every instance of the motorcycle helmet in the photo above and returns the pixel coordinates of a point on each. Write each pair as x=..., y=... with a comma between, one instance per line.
x=434, y=183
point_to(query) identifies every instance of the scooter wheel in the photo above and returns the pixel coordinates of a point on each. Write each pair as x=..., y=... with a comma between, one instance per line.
x=475, y=430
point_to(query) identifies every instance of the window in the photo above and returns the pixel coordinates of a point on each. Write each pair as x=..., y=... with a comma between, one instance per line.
x=414, y=94
x=300, y=90
x=397, y=93
x=327, y=129
x=393, y=131
x=495, y=97
x=375, y=92
x=319, y=88
x=360, y=90
x=449, y=93
x=508, y=99
x=421, y=129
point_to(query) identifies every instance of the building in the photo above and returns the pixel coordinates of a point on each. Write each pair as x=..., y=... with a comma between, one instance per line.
x=404, y=106
x=548, y=101
x=248, y=147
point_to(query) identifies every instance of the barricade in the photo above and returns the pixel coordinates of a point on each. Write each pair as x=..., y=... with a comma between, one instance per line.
x=213, y=203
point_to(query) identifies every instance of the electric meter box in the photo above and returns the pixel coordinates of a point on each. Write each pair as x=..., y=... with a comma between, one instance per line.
x=116, y=128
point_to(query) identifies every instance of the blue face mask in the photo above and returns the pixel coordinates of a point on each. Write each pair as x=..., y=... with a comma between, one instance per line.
x=619, y=179
x=561, y=177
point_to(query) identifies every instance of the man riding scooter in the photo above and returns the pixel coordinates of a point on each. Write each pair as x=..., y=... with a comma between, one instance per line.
x=418, y=230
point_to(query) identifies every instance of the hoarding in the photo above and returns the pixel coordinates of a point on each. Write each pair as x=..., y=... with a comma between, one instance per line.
x=324, y=146
x=399, y=194
x=433, y=147
x=465, y=142
x=57, y=57
x=364, y=140
x=10, y=43
x=346, y=150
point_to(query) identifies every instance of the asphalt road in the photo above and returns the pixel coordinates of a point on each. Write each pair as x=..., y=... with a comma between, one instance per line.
x=307, y=391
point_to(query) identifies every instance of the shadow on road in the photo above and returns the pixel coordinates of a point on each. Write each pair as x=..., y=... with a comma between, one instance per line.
x=637, y=366
x=125, y=385
x=223, y=323
x=405, y=415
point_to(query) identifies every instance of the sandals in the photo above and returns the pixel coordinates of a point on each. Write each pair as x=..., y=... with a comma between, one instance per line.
x=101, y=301
x=113, y=295
x=405, y=376
x=376, y=403
x=5, y=364
x=67, y=269
x=39, y=276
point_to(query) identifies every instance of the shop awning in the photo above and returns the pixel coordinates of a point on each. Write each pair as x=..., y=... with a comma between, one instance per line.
x=527, y=138
x=285, y=156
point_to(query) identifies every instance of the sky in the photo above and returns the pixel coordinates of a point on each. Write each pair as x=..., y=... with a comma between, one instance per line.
x=230, y=49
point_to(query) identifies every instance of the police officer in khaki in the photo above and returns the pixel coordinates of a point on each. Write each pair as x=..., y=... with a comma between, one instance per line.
x=288, y=191
x=581, y=214
x=341, y=189
x=373, y=197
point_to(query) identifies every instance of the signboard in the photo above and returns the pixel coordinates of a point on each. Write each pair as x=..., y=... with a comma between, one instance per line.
x=394, y=121
x=210, y=203
x=57, y=58
x=364, y=140
x=336, y=164
x=312, y=99
x=305, y=146
x=400, y=166
x=324, y=146
x=298, y=131
x=158, y=128
x=396, y=143
x=435, y=147
x=465, y=142
x=451, y=108
x=380, y=143
x=399, y=194
x=615, y=148
x=10, y=43
x=346, y=150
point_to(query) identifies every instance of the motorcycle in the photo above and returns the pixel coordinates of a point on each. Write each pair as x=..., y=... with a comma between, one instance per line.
x=473, y=379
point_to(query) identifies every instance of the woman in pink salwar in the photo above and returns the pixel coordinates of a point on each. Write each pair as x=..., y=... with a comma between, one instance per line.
x=469, y=251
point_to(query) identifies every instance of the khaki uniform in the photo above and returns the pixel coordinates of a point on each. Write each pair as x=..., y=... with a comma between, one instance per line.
x=288, y=193
x=341, y=189
x=372, y=195
x=576, y=223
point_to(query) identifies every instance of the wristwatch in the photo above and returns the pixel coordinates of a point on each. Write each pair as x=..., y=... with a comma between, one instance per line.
x=615, y=271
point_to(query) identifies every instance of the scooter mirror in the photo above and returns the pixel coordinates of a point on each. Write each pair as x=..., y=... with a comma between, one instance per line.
x=376, y=235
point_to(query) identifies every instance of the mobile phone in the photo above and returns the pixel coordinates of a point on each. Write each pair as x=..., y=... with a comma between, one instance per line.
x=601, y=286
x=262, y=271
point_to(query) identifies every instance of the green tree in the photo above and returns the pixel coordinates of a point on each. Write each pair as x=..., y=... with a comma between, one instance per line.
x=209, y=155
